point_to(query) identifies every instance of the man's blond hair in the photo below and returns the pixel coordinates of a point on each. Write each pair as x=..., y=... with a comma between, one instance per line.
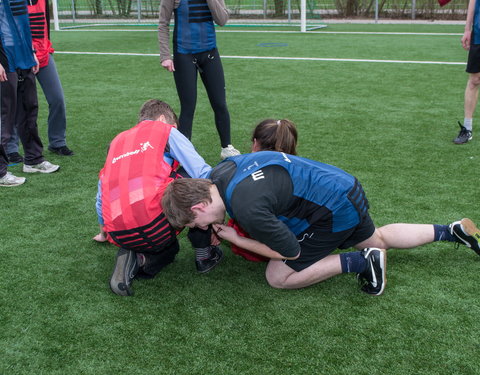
x=181, y=195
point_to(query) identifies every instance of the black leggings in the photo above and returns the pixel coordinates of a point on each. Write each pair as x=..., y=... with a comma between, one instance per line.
x=209, y=65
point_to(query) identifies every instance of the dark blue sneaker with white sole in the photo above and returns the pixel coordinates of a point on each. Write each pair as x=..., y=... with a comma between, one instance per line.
x=374, y=278
x=466, y=232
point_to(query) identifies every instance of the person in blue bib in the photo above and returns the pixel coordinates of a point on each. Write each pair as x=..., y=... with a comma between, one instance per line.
x=298, y=212
x=195, y=51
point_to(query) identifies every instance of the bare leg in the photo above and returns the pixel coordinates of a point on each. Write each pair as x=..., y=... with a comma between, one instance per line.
x=399, y=236
x=281, y=276
x=471, y=94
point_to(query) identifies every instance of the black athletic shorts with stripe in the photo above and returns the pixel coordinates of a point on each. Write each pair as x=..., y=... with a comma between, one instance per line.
x=473, y=62
x=318, y=241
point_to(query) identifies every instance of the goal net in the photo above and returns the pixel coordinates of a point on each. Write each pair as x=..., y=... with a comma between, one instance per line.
x=299, y=14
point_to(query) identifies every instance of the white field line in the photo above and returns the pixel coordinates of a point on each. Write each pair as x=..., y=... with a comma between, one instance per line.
x=282, y=32
x=276, y=58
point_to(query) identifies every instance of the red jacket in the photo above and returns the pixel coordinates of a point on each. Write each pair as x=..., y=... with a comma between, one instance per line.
x=135, y=176
x=39, y=15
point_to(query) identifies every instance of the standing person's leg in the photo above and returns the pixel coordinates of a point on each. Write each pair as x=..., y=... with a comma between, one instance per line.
x=3, y=162
x=471, y=94
x=9, y=89
x=57, y=119
x=214, y=81
x=185, y=76
x=26, y=118
x=10, y=137
x=8, y=103
x=471, y=99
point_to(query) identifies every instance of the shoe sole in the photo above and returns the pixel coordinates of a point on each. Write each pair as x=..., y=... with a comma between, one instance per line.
x=383, y=262
x=12, y=185
x=123, y=258
x=39, y=170
x=462, y=143
x=472, y=230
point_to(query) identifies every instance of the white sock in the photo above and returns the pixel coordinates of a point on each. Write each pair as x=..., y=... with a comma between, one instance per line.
x=468, y=123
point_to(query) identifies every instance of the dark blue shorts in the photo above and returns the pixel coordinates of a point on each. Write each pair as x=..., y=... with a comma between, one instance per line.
x=473, y=62
x=316, y=243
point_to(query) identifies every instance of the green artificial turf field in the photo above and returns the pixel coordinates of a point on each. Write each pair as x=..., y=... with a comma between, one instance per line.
x=389, y=123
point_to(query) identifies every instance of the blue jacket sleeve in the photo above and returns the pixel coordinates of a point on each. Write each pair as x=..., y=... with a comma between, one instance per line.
x=98, y=204
x=182, y=150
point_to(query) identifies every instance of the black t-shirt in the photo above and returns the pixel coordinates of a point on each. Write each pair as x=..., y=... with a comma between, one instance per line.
x=257, y=203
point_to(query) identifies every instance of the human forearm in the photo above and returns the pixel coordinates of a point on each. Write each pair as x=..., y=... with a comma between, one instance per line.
x=166, y=10
x=229, y=234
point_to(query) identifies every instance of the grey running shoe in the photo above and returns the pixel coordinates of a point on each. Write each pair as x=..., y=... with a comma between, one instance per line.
x=207, y=264
x=229, y=151
x=43, y=167
x=374, y=278
x=126, y=267
x=463, y=136
x=10, y=180
x=466, y=232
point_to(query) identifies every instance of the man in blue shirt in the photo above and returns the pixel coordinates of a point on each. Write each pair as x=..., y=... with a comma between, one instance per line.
x=297, y=212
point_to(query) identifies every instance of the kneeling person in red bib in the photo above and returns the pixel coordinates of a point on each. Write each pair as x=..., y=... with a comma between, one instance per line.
x=140, y=164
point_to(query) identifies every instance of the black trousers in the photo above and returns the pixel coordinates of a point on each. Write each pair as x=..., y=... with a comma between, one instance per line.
x=19, y=107
x=209, y=65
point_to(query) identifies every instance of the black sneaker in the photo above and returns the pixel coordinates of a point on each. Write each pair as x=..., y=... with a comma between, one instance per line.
x=209, y=263
x=126, y=267
x=15, y=157
x=374, y=278
x=466, y=232
x=464, y=136
x=63, y=151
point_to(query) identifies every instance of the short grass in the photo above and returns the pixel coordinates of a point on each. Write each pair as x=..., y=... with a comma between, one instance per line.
x=389, y=124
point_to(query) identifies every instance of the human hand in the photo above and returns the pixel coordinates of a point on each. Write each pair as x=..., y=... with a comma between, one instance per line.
x=36, y=68
x=466, y=39
x=215, y=240
x=168, y=64
x=3, y=74
x=101, y=237
x=225, y=232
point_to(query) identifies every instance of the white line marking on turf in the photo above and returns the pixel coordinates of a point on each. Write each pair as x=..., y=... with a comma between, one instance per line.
x=275, y=58
x=287, y=32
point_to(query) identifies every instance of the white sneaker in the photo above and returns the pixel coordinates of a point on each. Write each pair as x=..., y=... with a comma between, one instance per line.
x=10, y=180
x=229, y=151
x=43, y=167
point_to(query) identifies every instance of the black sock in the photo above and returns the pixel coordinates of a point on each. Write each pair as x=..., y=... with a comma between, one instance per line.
x=442, y=233
x=353, y=262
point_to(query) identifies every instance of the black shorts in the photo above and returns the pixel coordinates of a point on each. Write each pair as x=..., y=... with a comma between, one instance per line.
x=316, y=244
x=473, y=62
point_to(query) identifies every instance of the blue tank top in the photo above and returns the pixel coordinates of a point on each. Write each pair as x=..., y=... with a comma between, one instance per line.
x=319, y=183
x=476, y=24
x=15, y=35
x=194, y=31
